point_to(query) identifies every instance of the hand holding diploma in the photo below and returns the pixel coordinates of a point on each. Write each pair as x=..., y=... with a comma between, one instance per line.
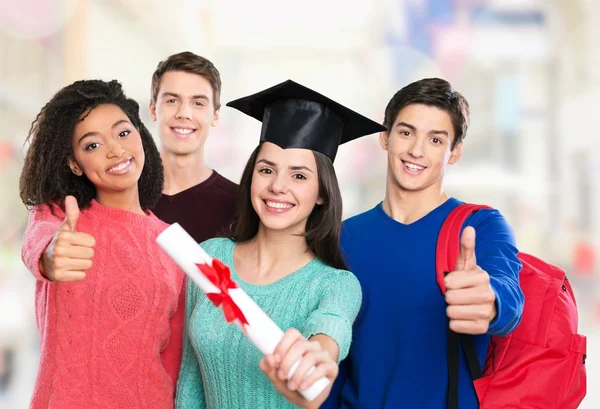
x=213, y=278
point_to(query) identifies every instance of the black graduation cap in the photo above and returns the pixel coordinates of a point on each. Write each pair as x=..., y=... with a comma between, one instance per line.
x=295, y=116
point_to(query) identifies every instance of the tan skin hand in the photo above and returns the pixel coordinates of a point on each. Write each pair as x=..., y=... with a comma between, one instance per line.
x=69, y=255
x=469, y=295
x=319, y=351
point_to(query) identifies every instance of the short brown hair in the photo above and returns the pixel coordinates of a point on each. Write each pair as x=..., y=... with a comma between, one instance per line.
x=434, y=92
x=190, y=63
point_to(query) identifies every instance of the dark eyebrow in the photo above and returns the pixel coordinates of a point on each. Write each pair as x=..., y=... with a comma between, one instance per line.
x=300, y=168
x=173, y=95
x=445, y=133
x=413, y=128
x=169, y=94
x=93, y=133
x=406, y=125
x=119, y=122
x=268, y=162
x=86, y=135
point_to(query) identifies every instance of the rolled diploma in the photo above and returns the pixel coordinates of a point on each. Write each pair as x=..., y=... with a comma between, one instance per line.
x=261, y=330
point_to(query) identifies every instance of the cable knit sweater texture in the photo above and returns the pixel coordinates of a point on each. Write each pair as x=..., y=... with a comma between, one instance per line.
x=220, y=369
x=112, y=340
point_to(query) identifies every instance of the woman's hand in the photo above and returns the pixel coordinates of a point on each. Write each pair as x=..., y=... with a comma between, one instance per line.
x=293, y=347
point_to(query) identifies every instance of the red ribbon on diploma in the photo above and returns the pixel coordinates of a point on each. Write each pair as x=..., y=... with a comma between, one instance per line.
x=219, y=274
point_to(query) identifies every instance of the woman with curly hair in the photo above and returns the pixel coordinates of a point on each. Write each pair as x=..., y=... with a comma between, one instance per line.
x=107, y=299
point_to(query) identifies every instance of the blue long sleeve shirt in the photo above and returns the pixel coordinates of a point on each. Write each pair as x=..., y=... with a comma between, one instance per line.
x=398, y=357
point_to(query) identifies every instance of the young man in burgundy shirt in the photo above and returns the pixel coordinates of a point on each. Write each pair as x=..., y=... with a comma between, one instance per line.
x=185, y=104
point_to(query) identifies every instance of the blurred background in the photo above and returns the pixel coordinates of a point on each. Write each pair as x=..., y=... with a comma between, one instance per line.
x=528, y=68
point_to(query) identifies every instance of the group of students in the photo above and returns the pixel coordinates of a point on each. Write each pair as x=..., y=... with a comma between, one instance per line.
x=121, y=327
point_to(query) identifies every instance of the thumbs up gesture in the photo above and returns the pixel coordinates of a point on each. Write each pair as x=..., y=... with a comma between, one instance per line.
x=70, y=252
x=469, y=295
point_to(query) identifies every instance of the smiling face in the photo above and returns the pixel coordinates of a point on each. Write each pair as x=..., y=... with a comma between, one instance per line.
x=285, y=187
x=184, y=111
x=419, y=148
x=108, y=150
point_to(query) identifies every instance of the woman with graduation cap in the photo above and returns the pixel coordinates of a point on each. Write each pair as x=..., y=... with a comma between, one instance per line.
x=284, y=252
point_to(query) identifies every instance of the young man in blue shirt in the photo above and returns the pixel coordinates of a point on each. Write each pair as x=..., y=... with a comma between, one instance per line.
x=398, y=357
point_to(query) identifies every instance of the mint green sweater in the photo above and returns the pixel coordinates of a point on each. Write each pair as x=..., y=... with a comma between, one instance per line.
x=219, y=369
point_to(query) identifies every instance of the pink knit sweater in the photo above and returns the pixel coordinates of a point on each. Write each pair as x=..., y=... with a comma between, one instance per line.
x=112, y=340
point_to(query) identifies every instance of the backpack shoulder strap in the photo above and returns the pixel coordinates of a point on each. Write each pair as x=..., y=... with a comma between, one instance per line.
x=448, y=243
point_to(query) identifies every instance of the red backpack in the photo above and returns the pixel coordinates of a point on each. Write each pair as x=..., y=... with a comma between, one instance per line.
x=541, y=364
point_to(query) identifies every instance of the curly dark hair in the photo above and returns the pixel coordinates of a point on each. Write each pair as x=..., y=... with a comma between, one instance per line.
x=47, y=179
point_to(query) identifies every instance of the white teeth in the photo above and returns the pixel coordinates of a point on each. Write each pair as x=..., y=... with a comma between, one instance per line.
x=413, y=167
x=183, y=131
x=120, y=167
x=278, y=205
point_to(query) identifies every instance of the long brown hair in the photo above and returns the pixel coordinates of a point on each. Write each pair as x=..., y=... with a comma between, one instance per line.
x=323, y=225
